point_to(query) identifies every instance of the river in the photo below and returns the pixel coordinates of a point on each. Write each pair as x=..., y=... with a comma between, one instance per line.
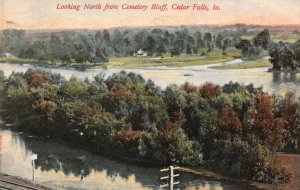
x=61, y=167
x=163, y=76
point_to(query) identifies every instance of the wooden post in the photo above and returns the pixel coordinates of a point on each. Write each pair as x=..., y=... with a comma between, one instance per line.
x=171, y=178
x=33, y=158
x=33, y=166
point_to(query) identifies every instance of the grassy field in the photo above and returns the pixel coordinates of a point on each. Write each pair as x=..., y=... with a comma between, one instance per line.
x=246, y=65
x=136, y=62
x=16, y=60
x=176, y=61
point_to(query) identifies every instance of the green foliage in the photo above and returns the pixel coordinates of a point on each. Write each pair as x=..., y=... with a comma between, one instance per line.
x=284, y=56
x=234, y=128
x=241, y=158
x=81, y=49
x=262, y=39
x=170, y=147
x=244, y=45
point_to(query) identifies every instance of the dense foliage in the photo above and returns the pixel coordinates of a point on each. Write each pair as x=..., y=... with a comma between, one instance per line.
x=255, y=48
x=71, y=47
x=285, y=55
x=235, y=128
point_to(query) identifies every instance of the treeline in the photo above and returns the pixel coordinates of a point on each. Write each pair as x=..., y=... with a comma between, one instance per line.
x=97, y=47
x=235, y=129
x=285, y=56
x=255, y=47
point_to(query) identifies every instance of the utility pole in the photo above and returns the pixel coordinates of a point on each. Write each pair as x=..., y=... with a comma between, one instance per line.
x=33, y=157
x=168, y=180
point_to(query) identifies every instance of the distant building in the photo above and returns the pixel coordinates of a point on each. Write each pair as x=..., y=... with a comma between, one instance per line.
x=6, y=55
x=140, y=53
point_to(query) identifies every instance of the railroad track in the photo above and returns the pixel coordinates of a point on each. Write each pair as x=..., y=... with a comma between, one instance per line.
x=9, y=185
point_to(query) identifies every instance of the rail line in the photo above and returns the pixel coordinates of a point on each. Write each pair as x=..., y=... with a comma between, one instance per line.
x=15, y=185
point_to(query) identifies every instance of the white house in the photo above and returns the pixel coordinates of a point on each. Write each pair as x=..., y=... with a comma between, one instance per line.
x=140, y=53
x=6, y=55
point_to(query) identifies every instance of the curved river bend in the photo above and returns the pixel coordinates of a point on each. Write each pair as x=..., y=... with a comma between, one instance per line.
x=163, y=76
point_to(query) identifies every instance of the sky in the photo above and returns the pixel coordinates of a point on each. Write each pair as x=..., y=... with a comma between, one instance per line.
x=43, y=14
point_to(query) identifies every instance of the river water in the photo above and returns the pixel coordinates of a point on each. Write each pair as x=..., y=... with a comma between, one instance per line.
x=61, y=167
x=163, y=76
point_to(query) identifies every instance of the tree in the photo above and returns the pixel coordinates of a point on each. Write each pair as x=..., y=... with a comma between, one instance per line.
x=207, y=38
x=208, y=90
x=219, y=41
x=149, y=45
x=74, y=89
x=139, y=39
x=98, y=36
x=289, y=111
x=56, y=47
x=244, y=45
x=37, y=79
x=128, y=140
x=14, y=40
x=188, y=49
x=297, y=53
x=106, y=36
x=287, y=58
x=189, y=88
x=198, y=38
x=229, y=122
x=170, y=146
x=267, y=128
x=275, y=57
x=225, y=45
x=174, y=98
x=262, y=39
x=160, y=49
x=101, y=55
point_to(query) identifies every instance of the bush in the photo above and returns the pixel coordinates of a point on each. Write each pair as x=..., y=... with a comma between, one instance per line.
x=241, y=159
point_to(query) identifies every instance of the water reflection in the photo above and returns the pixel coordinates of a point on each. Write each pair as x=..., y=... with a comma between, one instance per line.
x=61, y=167
x=286, y=82
x=286, y=77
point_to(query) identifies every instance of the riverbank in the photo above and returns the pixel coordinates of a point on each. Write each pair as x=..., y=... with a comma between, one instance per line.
x=271, y=70
x=197, y=172
x=240, y=183
x=245, y=65
x=13, y=182
x=52, y=64
x=132, y=62
x=167, y=60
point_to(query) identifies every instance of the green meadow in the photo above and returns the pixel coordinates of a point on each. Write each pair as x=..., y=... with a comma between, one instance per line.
x=246, y=65
x=175, y=61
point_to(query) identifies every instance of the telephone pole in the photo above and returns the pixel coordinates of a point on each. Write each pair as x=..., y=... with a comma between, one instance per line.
x=168, y=180
x=33, y=157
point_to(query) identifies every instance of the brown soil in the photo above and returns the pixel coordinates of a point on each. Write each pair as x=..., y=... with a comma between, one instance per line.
x=291, y=162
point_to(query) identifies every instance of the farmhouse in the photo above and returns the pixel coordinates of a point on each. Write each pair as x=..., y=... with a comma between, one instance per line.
x=6, y=55
x=140, y=53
